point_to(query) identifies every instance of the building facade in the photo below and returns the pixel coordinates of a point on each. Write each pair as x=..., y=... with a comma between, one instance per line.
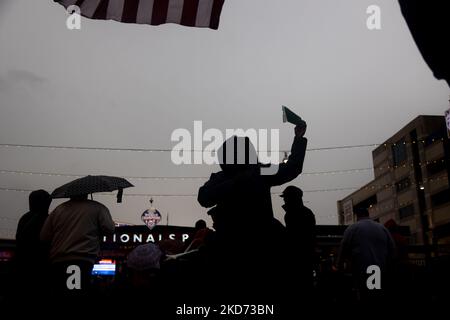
x=411, y=184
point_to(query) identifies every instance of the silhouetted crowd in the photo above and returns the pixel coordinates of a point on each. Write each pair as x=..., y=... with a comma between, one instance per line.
x=249, y=257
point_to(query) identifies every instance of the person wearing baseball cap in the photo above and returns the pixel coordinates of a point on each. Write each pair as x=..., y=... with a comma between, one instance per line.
x=300, y=225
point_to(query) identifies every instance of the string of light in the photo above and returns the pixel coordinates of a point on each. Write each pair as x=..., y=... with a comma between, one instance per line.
x=411, y=164
x=52, y=174
x=384, y=208
x=54, y=147
x=175, y=195
x=378, y=187
x=313, y=173
x=377, y=208
x=368, y=187
x=395, y=185
x=374, y=187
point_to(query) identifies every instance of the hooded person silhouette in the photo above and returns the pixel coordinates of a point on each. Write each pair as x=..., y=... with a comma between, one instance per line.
x=249, y=238
x=30, y=251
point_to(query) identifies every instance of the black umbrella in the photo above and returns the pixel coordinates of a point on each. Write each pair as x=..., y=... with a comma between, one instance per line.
x=92, y=184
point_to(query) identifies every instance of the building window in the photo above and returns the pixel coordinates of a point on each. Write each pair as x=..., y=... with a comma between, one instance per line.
x=436, y=166
x=407, y=211
x=403, y=184
x=399, y=152
x=440, y=198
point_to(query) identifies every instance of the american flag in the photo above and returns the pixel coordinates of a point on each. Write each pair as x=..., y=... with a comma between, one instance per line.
x=192, y=13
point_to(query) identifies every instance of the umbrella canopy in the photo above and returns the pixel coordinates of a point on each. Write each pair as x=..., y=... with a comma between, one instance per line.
x=92, y=184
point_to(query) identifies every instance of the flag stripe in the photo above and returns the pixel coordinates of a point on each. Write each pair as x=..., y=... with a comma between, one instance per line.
x=130, y=10
x=88, y=8
x=115, y=9
x=189, y=12
x=160, y=12
x=215, y=14
x=101, y=11
x=145, y=11
x=175, y=11
x=193, y=13
x=204, y=13
x=79, y=3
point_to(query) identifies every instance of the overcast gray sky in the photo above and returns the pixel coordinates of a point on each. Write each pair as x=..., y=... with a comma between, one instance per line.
x=129, y=86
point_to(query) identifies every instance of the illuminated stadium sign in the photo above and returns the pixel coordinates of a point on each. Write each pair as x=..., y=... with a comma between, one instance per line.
x=135, y=235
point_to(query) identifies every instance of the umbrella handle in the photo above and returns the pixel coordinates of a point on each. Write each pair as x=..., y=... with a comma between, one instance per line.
x=119, y=195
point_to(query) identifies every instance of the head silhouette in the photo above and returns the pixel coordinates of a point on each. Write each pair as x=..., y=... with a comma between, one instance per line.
x=200, y=224
x=292, y=195
x=361, y=213
x=39, y=201
x=237, y=154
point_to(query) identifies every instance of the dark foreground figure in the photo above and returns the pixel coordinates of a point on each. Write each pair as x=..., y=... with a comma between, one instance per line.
x=31, y=252
x=300, y=226
x=248, y=259
x=429, y=24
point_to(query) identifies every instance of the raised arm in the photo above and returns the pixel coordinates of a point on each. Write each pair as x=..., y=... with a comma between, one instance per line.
x=293, y=167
